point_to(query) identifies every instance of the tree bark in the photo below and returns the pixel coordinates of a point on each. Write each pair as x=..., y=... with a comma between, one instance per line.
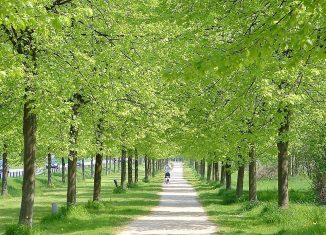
x=83, y=169
x=63, y=170
x=72, y=160
x=196, y=166
x=282, y=145
x=216, y=171
x=146, y=169
x=153, y=168
x=4, y=188
x=228, y=185
x=123, y=167
x=98, y=160
x=209, y=171
x=149, y=167
x=202, y=168
x=28, y=188
x=130, y=168
x=319, y=182
x=49, y=170
x=114, y=164
x=222, y=179
x=240, y=179
x=252, y=174
x=72, y=169
x=136, y=166
x=97, y=177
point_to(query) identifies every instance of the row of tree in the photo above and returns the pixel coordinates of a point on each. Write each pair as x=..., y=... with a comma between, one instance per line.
x=80, y=76
x=253, y=82
x=221, y=80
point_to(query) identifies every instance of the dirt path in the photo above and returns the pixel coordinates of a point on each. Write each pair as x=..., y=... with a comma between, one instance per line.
x=179, y=211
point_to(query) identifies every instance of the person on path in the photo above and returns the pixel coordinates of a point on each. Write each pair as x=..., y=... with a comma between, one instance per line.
x=167, y=169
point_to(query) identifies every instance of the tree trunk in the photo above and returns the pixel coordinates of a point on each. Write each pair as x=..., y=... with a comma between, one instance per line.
x=123, y=168
x=63, y=170
x=83, y=168
x=114, y=164
x=202, y=168
x=209, y=171
x=24, y=44
x=222, y=179
x=72, y=169
x=72, y=160
x=28, y=188
x=49, y=170
x=228, y=176
x=146, y=169
x=240, y=179
x=291, y=165
x=282, y=145
x=136, y=166
x=130, y=168
x=107, y=165
x=252, y=174
x=149, y=167
x=97, y=177
x=216, y=171
x=4, y=188
x=319, y=183
x=153, y=168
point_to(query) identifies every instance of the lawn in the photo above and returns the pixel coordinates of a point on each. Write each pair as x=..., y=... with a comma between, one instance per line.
x=237, y=216
x=107, y=217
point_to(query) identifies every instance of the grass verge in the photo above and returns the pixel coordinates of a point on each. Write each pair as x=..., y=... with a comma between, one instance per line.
x=105, y=217
x=237, y=216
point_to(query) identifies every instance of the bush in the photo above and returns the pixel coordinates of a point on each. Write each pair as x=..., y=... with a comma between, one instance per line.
x=228, y=197
x=94, y=205
x=316, y=229
x=249, y=205
x=62, y=214
x=16, y=229
x=132, y=185
x=271, y=213
x=145, y=180
x=301, y=215
x=71, y=212
x=119, y=190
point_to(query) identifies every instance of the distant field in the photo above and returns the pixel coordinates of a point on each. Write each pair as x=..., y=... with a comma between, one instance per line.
x=87, y=218
x=237, y=216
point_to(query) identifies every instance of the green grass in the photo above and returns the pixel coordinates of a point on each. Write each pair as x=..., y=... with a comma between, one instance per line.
x=106, y=217
x=237, y=216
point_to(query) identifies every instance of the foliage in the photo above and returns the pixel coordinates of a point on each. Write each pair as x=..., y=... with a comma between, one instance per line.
x=201, y=78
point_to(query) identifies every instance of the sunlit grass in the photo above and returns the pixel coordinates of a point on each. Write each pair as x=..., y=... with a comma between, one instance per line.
x=107, y=217
x=237, y=216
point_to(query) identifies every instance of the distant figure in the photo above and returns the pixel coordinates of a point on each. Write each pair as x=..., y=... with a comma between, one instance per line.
x=167, y=169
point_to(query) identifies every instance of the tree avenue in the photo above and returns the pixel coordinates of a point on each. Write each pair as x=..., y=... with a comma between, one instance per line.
x=225, y=84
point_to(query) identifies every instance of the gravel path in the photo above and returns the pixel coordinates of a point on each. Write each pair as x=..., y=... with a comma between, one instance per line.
x=179, y=211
